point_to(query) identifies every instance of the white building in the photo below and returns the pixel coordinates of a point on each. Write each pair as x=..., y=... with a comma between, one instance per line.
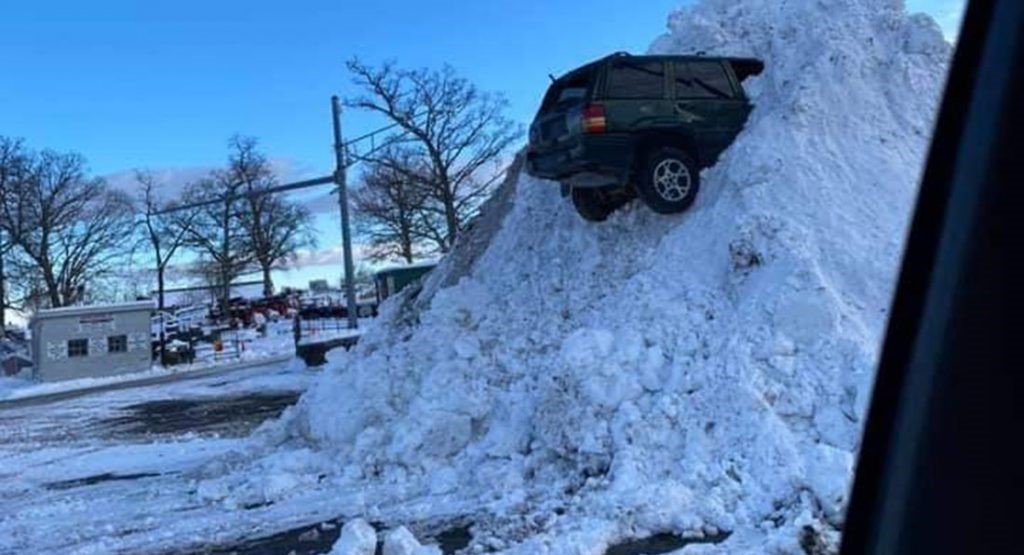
x=91, y=341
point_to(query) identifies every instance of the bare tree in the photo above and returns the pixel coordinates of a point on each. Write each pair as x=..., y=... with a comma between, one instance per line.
x=12, y=166
x=69, y=227
x=209, y=275
x=166, y=233
x=390, y=209
x=457, y=130
x=19, y=283
x=277, y=228
x=5, y=246
x=216, y=232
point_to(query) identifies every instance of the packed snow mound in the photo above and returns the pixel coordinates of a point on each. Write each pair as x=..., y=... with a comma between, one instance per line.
x=566, y=385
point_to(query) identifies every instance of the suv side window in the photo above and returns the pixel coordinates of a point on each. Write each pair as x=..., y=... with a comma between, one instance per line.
x=702, y=80
x=630, y=79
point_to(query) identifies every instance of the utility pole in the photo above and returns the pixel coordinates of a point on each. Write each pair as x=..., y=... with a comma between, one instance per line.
x=338, y=179
x=346, y=236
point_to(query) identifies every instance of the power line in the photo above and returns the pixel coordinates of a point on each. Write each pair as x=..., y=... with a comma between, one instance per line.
x=338, y=178
x=314, y=182
x=318, y=181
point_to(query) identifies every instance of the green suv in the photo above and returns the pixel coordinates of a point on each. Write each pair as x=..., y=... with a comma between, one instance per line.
x=627, y=126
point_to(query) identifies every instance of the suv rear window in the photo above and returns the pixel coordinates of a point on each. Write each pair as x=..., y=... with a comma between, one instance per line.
x=702, y=80
x=569, y=89
x=627, y=79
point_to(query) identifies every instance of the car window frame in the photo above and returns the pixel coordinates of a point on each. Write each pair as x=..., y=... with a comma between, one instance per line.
x=605, y=78
x=594, y=84
x=735, y=91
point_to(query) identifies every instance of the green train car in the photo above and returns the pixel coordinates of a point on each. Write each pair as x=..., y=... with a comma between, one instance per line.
x=392, y=280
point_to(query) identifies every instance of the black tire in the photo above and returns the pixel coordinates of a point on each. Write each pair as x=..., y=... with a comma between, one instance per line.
x=591, y=204
x=668, y=180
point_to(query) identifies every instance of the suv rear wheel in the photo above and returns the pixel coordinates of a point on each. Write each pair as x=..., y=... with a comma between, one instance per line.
x=668, y=181
x=596, y=204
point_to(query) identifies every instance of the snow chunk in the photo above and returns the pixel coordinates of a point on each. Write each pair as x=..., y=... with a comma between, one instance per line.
x=357, y=538
x=400, y=541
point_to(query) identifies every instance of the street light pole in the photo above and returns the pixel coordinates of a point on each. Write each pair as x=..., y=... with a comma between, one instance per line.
x=346, y=236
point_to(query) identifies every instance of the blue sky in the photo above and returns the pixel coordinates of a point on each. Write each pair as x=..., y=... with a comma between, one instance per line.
x=161, y=84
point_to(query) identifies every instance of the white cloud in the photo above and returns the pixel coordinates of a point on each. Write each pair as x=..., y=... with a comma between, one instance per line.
x=329, y=256
x=319, y=200
x=173, y=180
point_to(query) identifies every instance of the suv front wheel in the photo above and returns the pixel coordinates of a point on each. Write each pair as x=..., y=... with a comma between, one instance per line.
x=668, y=181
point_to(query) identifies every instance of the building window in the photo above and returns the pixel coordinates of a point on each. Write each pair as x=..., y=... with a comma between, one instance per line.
x=78, y=348
x=117, y=344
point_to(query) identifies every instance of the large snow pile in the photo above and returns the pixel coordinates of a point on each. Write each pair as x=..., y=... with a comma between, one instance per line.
x=571, y=385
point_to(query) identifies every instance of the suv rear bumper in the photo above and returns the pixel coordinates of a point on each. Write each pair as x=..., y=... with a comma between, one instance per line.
x=589, y=158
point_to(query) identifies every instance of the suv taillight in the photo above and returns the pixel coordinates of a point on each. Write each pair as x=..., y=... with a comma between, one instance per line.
x=593, y=119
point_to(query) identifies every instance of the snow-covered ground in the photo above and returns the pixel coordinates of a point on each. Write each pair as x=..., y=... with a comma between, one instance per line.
x=275, y=347
x=563, y=386
x=111, y=472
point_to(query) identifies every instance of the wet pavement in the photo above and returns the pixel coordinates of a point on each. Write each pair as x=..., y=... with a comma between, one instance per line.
x=221, y=416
